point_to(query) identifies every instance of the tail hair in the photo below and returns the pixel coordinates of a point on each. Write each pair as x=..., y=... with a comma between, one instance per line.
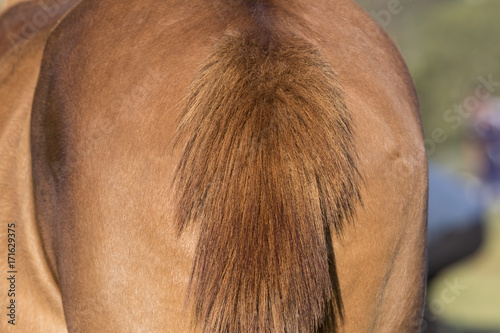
x=268, y=173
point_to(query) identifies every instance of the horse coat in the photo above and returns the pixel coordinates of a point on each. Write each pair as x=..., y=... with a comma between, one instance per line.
x=226, y=166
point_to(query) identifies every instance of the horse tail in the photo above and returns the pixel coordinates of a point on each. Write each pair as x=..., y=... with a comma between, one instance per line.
x=268, y=174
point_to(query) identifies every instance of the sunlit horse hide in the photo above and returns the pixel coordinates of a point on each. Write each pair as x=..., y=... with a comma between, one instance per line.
x=223, y=166
x=5, y=4
x=37, y=300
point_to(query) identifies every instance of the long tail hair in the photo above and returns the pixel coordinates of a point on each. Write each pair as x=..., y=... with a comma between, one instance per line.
x=268, y=173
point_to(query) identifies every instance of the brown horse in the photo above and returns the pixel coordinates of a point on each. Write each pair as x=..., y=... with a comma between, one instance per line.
x=30, y=295
x=226, y=166
x=6, y=4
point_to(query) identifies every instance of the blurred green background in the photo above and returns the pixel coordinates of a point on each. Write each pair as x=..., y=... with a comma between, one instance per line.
x=447, y=45
x=450, y=46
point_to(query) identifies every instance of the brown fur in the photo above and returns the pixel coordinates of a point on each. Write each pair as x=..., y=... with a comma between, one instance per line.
x=6, y=4
x=26, y=20
x=268, y=171
x=116, y=79
x=39, y=306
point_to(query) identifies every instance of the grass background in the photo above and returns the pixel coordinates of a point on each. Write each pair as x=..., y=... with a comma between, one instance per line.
x=477, y=307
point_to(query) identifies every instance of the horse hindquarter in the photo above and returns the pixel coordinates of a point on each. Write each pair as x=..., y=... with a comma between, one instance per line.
x=106, y=115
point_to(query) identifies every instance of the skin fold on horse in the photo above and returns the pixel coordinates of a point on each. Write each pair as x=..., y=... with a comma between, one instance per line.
x=106, y=240
x=37, y=299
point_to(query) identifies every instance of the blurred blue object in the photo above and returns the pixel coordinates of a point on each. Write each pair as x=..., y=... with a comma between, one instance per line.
x=455, y=219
